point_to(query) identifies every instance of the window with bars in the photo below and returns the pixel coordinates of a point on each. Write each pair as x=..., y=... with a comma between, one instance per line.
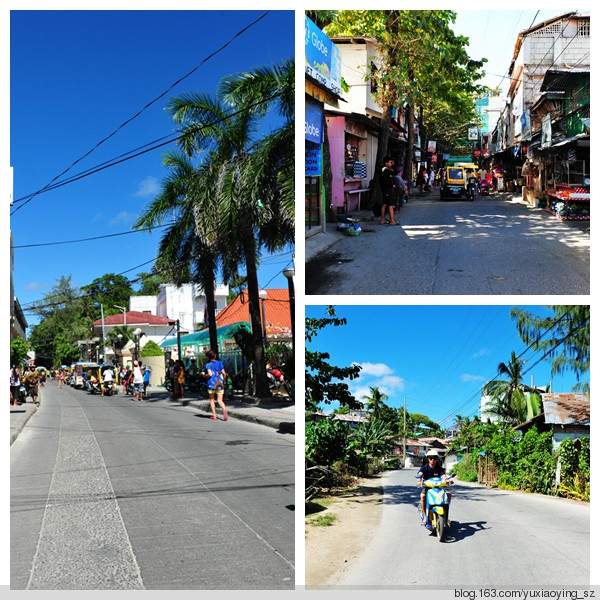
x=583, y=29
x=553, y=29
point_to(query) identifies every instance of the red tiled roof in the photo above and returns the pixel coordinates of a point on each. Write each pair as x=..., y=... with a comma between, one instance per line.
x=134, y=317
x=277, y=312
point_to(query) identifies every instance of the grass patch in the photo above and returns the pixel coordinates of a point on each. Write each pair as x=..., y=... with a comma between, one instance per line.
x=322, y=520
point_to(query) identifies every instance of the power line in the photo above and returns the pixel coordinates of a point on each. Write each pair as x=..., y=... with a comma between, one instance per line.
x=125, y=123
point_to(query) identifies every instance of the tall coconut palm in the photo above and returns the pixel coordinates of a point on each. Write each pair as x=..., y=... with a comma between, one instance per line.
x=189, y=249
x=375, y=403
x=511, y=399
x=254, y=189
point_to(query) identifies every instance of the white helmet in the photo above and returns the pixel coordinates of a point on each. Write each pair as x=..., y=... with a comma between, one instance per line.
x=433, y=453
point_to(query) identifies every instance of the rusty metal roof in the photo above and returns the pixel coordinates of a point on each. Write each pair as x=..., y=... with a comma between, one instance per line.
x=566, y=409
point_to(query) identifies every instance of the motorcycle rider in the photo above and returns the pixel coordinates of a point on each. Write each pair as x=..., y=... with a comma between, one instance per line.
x=432, y=468
x=107, y=377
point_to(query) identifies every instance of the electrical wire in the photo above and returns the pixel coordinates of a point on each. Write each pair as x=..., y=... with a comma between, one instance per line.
x=136, y=115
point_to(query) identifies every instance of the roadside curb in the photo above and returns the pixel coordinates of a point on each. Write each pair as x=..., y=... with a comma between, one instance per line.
x=15, y=430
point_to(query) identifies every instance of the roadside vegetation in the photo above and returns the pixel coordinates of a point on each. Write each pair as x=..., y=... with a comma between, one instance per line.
x=494, y=451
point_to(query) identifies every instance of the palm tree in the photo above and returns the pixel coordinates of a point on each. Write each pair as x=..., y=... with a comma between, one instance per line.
x=511, y=399
x=189, y=249
x=254, y=186
x=375, y=403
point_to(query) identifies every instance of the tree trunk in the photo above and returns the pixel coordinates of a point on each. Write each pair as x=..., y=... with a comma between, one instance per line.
x=209, y=292
x=410, y=143
x=260, y=371
x=382, y=150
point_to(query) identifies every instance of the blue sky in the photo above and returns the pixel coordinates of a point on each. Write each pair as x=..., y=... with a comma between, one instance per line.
x=438, y=357
x=493, y=33
x=77, y=76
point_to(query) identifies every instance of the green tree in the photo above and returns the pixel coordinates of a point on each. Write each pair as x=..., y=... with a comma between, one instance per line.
x=563, y=337
x=375, y=403
x=150, y=283
x=108, y=290
x=254, y=192
x=370, y=440
x=324, y=381
x=151, y=348
x=63, y=321
x=189, y=249
x=422, y=63
x=511, y=399
x=325, y=441
x=18, y=351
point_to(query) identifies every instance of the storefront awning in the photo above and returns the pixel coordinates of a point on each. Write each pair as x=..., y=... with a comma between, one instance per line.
x=201, y=339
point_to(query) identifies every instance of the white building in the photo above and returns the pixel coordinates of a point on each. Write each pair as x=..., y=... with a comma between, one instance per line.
x=186, y=304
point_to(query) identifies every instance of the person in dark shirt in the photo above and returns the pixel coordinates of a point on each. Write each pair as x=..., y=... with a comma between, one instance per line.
x=432, y=468
x=387, y=182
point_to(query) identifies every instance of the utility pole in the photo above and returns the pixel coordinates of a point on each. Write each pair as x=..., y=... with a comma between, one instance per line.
x=404, y=438
x=178, y=341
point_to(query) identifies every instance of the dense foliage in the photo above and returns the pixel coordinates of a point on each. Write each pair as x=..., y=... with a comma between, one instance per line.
x=526, y=461
x=324, y=381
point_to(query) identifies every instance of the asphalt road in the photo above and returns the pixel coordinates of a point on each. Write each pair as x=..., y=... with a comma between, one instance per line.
x=492, y=246
x=107, y=493
x=498, y=538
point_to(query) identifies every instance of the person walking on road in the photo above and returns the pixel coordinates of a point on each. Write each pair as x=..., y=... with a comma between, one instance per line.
x=215, y=371
x=171, y=377
x=386, y=180
x=179, y=380
x=15, y=385
x=61, y=379
x=138, y=382
x=32, y=379
x=146, y=381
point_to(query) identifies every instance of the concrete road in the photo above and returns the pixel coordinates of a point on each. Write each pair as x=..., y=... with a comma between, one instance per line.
x=498, y=538
x=107, y=493
x=492, y=246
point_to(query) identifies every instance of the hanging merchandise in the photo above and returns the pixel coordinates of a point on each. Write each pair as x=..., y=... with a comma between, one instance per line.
x=360, y=169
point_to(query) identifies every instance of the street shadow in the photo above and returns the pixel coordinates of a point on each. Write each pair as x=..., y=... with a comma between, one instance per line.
x=460, y=531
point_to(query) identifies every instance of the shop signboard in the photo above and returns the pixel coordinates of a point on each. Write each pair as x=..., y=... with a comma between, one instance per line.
x=313, y=159
x=431, y=146
x=546, y=131
x=313, y=122
x=322, y=59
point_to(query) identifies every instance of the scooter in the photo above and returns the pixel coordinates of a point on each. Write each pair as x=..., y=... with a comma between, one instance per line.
x=93, y=386
x=484, y=187
x=437, y=504
x=277, y=380
x=110, y=389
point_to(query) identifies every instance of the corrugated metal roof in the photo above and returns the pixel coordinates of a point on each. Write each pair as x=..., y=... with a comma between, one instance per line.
x=566, y=409
x=134, y=317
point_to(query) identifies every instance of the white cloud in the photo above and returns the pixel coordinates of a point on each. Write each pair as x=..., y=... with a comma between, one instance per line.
x=467, y=378
x=123, y=218
x=36, y=286
x=148, y=187
x=480, y=353
x=377, y=369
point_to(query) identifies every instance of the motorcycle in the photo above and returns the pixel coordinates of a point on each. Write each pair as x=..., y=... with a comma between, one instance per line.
x=93, y=386
x=471, y=185
x=110, y=388
x=484, y=187
x=437, y=504
x=277, y=381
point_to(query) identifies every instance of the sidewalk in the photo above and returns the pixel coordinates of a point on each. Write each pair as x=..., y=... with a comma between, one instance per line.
x=276, y=412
